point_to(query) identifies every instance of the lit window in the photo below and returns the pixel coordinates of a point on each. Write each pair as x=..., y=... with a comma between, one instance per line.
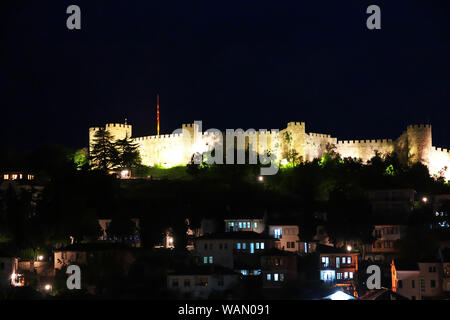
x=281, y=276
x=277, y=233
x=257, y=245
x=262, y=245
x=244, y=245
x=205, y=259
x=351, y=275
x=275, y=277
x=349, y=260
x=345, y=275
x=255, y=225
x=238, y=245
x=248, y=225
x=269, y=277
x=244, y=272
x=6, y=176
x=240, y=225
x=210, y=259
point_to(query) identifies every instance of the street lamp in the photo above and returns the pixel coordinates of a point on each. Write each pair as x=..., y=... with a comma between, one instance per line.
x=424, y=199
x=260, y=178
x=349, y=248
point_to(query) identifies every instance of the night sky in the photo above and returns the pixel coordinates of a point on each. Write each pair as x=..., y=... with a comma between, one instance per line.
x=231, y=64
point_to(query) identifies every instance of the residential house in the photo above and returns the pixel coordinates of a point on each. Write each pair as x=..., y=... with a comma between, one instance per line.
x=245, y=224
x=338, y=267
x=386, y=243
x=288, y=236
x=221, y=248
x=278, y=267
x=405, y=277
x=399, y=202
x=8, y=271
x=85, y=253
x=133, y=239
x=201, y=281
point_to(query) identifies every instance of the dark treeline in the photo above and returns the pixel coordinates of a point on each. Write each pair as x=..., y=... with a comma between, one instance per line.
x=74, y=198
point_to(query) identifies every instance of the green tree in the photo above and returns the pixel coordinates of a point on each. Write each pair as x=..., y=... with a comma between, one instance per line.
x=128, y=153
x=121, y=227
x=81, y=158
x=103, y=155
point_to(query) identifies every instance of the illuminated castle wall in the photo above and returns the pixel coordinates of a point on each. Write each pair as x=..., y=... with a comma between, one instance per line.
x=413, y=145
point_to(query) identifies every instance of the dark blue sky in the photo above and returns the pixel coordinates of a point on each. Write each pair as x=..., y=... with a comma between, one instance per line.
x=232, y=64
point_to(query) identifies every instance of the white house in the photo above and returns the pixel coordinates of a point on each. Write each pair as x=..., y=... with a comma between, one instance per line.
x=8, y=270
x=199, y=282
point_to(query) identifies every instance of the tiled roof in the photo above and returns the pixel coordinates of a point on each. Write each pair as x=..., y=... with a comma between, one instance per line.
x=238, y=235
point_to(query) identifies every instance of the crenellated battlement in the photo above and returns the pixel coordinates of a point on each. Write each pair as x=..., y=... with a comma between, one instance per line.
x=319, y=135
x=418, y=126
x=415, y=144
x=295, y=124
x=118, y=125
x=364, y=142
x=440, y=149
x=161, y=137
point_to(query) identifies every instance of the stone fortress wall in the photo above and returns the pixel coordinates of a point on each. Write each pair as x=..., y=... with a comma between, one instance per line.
x=413, y=145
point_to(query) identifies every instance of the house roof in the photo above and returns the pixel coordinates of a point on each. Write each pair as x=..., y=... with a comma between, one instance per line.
x=203, y=270
x=339, y=295
x=250, y=217
x=276, y=252
x=405, y=265
x=95, y=246
x=5, y=255
x=238, y=235
x=382, y=294
x=446, y=255
x=332, y=250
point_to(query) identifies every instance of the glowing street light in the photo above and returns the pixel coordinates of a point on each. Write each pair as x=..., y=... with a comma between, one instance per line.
x=124, y=174
x=340, y=295
x=48, y=287
x=40, y=257
x=349, y=248
x=424, y=199
x=260, y=178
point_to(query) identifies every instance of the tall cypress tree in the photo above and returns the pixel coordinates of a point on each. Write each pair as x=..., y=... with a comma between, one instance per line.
x=103, y=155
x=128, y=153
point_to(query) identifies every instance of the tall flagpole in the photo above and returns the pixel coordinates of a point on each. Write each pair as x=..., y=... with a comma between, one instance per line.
x=157, y=126
x=157, y=113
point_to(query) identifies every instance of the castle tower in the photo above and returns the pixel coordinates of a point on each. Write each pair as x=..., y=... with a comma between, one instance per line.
x=297, y=133
x=190, y=131
x=419, y=143
x=117, y=130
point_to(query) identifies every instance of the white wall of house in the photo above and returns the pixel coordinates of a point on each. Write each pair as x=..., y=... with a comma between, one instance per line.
x=408, y=284
x=255, y=225
x=431, y=275
x=288, y=236
x=446, y=277
x=200, y=286
x=8, y=266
